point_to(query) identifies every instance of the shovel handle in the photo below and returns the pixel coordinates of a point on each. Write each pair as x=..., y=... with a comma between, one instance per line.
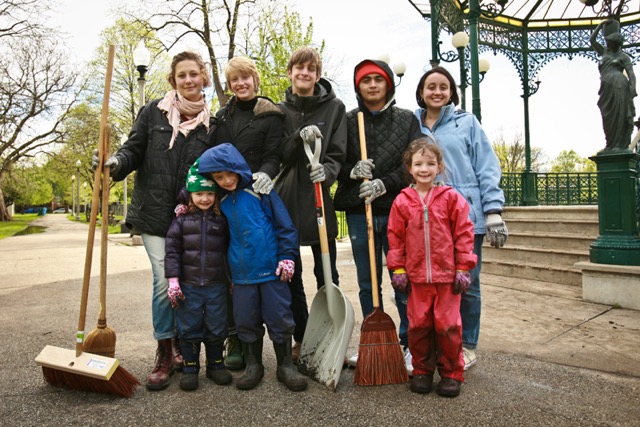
x=369, y=215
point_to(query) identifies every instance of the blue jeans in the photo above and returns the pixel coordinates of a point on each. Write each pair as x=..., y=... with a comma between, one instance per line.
x=162, y=313
x=360, y=248
x=471, y=303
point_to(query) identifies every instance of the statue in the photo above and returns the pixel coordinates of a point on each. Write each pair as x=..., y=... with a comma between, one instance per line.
x=617, y=90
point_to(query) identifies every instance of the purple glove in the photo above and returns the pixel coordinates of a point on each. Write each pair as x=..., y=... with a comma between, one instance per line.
x=461, y=282
x=174, y=292
x=400, y=281
x=285, y=270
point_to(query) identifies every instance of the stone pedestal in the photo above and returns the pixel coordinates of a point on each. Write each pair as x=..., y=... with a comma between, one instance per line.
x=611, y=284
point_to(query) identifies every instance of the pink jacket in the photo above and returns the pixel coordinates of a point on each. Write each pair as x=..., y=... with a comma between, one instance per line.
x=430, y=254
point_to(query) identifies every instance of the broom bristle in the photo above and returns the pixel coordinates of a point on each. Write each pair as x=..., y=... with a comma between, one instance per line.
x=101, y=341
x=380, y=359
x=121, y=383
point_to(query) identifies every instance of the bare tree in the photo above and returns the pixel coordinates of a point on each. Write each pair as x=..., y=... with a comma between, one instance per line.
x=36, y=92
x=511, y=155
x=19, y=18
x=215, y=23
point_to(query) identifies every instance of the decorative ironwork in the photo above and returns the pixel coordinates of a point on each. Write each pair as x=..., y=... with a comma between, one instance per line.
x=553, y=189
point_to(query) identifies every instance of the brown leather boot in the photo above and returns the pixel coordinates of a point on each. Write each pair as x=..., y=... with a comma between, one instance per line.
x=159, y=377
x=178, y=360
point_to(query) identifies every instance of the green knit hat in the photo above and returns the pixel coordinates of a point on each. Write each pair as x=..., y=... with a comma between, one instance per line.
x=197, y=182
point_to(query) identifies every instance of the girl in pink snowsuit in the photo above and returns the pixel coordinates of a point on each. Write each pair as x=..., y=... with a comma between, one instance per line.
x=430, y=256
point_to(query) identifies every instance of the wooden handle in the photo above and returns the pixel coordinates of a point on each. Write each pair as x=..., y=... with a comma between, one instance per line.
x=104, y=236
x=102, y=156
x=369, y=214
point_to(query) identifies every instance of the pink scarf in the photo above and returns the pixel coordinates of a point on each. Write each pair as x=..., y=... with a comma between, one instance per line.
x=176, y=105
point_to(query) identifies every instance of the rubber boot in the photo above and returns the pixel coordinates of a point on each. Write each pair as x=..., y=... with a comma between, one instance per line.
x=254, y=371
x=216, y=370
x=159, y=377
x=287, y=372
x=234, y=360
x=191, y=365
x=177, y=354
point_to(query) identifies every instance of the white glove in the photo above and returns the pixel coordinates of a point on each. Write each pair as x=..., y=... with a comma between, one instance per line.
x=317, y=173
x=362, y=169
x=370, y=190
x=310, y=133
x=263, y=183
x=497, y=232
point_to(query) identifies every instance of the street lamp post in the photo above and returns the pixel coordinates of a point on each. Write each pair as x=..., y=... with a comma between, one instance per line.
x=84, y=196
x=78, y=163
x=141, y=58
x=73, y=195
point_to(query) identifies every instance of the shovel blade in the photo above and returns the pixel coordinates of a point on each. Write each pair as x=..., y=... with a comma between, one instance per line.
x=327, y=336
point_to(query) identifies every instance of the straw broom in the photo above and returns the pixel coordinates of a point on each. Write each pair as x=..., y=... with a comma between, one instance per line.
x=380, y=358
x=102, y=339
x=81, y=370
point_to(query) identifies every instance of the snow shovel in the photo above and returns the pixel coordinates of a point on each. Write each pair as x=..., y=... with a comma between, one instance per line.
x=331, y=319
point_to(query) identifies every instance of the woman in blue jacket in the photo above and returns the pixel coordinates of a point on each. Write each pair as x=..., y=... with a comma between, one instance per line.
x=473, y=170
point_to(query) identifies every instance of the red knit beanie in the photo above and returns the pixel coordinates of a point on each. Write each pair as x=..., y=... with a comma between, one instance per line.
x=372, y=68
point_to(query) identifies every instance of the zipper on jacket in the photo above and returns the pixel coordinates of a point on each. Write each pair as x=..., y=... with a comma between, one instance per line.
x=241, y=236
x=427, y=237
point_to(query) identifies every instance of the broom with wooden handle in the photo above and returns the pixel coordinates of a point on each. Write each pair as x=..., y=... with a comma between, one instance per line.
x=102, y=339
x=82, y=370
x=380, y=358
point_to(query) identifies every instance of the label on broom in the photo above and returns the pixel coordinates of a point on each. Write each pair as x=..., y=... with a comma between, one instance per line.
x=97, y=364
x=80, y=337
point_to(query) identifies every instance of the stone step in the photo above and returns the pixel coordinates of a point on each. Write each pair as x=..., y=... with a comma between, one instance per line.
x=570, y=213
x=534, y=271
x=550, y=241
x=533, y=286
x=528, y=254
x=583, y=227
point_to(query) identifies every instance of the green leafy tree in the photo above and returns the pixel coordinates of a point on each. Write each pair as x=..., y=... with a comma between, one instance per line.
x=511, y=155
x=279, y=35
x=570, y=161
x=27, y=186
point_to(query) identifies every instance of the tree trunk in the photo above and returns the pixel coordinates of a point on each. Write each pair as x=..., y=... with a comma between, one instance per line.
x=4, y=212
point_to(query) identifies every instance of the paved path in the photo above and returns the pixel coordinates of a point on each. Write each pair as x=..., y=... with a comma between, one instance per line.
x=546, y=357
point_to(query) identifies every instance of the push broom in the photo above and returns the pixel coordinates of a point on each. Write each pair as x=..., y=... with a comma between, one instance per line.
x=77, y=369
x=380, y=358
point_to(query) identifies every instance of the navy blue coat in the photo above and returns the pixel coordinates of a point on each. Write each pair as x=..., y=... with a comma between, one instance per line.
x=196, y=249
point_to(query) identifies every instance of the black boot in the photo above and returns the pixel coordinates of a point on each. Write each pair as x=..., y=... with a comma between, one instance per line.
x=177, y=354
x=254, y=371
x=191, y=365
x=287, y=372
x=216, y=370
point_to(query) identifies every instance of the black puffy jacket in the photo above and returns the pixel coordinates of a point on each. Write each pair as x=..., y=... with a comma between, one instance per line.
x=388, y=133
x=160, y=172
x=258, y=141
x=196, y=249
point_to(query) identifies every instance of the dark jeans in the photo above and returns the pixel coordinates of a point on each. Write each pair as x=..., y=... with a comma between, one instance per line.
x=471, y=303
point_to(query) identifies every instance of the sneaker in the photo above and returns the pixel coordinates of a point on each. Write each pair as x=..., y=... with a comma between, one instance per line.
x=470, y=358
x=353, y=360
x=408, y=361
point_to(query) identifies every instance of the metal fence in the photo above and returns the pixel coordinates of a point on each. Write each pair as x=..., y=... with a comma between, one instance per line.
x=553, y=189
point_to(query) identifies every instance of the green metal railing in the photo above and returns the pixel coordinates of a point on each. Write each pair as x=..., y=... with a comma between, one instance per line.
x=554, y=189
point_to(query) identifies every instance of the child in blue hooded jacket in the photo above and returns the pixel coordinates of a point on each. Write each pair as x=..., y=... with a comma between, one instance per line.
x=263, y=245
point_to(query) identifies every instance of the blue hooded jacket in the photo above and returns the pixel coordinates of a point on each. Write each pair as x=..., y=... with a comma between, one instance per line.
x=471, y=166
x=262, y=233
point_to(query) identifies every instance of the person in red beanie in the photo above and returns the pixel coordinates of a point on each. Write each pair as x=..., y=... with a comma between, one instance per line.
x=389, y=130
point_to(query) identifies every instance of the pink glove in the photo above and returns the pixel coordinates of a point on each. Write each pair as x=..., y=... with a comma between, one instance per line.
x=461, y=282
x=400, y=281
x=285, y=270
x=180, y=210
x=174, y=292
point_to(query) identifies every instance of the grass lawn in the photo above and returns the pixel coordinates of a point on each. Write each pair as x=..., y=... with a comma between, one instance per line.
x=21, y=221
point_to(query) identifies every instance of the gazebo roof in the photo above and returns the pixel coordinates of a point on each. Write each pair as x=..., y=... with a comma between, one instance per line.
x=545, y=13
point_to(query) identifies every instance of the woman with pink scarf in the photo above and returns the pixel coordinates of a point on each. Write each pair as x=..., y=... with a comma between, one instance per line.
x=168, y=136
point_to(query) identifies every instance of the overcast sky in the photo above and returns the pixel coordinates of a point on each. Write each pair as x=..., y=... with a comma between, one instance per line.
x=563, y=113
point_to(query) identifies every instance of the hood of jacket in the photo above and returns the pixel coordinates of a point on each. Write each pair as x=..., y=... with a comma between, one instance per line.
x=226, y=157
x=391, y=94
